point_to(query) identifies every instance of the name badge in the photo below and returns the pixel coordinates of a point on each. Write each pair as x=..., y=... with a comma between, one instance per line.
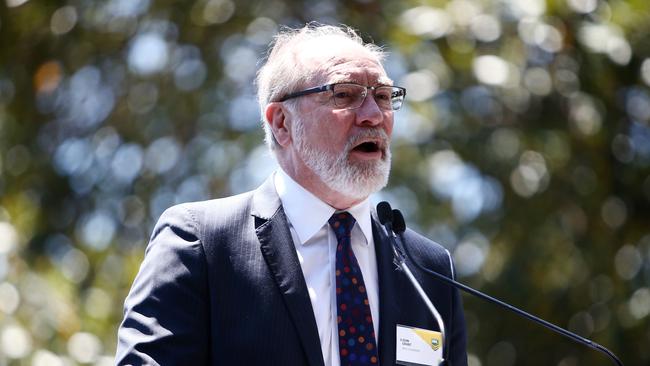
x=416, y=346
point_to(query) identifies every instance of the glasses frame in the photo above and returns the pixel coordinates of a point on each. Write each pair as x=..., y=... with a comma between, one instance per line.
x=330, y=87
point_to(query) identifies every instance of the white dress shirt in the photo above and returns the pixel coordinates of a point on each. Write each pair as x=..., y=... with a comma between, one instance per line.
x=315, y=244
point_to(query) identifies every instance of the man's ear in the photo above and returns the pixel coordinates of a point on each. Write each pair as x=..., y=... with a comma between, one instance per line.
x=276, y=115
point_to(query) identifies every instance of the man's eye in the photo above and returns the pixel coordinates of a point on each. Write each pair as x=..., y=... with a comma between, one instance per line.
x=383, y=95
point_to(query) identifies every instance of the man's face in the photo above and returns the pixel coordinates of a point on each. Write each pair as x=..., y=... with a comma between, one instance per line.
x=347, y=149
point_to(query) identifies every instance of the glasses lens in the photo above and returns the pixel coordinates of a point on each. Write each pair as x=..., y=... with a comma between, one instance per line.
x=396, y=97
x=348, y=95
x=383, y=97
x=389, y=97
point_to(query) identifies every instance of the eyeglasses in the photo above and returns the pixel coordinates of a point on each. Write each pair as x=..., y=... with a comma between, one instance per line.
x=351, y=96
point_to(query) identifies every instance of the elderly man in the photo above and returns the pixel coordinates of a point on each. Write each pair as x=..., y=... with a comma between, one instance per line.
x=298, y=271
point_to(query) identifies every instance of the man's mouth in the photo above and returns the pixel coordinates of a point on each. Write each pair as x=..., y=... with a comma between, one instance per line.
x=367, y=147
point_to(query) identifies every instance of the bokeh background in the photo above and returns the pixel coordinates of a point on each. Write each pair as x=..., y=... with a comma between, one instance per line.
x=524, y=148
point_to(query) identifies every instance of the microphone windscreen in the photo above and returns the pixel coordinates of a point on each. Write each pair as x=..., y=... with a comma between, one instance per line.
x=399, y=225
x=384, y=212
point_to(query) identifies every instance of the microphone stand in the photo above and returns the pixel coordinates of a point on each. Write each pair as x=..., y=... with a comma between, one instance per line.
x=400, y=227
x=385, y=217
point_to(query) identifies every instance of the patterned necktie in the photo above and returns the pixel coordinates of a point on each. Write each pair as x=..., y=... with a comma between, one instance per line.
x=357, y=344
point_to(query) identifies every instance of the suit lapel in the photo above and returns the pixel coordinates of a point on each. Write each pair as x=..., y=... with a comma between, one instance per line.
x=277, y=246
x=388, y=294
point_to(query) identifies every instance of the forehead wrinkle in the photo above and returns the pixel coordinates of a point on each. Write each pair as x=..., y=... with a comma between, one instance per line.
x=374, y=73
x=347, y=79
x=349, y=64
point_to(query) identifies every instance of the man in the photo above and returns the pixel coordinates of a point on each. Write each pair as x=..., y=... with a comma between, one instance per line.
x=299, y=271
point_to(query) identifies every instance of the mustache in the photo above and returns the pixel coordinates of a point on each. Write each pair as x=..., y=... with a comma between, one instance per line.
x=377, y=135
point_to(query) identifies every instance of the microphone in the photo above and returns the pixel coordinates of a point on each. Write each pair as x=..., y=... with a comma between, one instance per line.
x=399, y=226
x=385, y=215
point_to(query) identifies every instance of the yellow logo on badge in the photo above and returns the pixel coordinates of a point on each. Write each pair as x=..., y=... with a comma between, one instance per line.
x=435, y=344
x=434, y=339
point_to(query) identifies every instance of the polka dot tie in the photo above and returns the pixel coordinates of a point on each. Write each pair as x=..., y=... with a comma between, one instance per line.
x=357, y=344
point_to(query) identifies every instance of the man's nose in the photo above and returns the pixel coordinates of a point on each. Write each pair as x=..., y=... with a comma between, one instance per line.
x=369, y=112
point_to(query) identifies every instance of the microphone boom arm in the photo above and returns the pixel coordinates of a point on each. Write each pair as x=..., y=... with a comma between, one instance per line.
x=467, y=289
x=385, y=214
x=401, y=265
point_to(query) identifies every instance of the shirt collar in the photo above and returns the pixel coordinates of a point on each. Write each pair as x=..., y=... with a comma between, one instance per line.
x=297, y=202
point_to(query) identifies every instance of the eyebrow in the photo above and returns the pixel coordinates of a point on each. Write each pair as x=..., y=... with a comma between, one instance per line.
x=385, y=81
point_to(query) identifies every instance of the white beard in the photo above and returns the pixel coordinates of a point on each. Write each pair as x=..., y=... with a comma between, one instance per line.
x=356, y=180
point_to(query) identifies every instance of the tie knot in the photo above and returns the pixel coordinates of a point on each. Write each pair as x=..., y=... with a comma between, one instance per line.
x=342, y=223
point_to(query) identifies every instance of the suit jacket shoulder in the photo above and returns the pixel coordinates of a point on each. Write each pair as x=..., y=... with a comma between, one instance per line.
x=431, y=254
x=220, y=278
x=204, y=217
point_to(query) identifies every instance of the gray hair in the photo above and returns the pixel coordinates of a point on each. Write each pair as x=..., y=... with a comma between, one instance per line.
x=282, y=72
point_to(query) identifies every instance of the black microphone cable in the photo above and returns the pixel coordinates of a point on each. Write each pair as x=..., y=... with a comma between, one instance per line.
x=399, y=226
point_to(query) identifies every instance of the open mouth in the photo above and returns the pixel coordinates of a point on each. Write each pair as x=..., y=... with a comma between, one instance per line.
x=367, y=147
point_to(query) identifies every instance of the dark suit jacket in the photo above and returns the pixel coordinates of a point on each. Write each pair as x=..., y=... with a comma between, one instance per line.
x=221, y=284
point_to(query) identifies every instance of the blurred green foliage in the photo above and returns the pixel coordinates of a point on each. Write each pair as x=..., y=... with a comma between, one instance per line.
x=524, y=149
